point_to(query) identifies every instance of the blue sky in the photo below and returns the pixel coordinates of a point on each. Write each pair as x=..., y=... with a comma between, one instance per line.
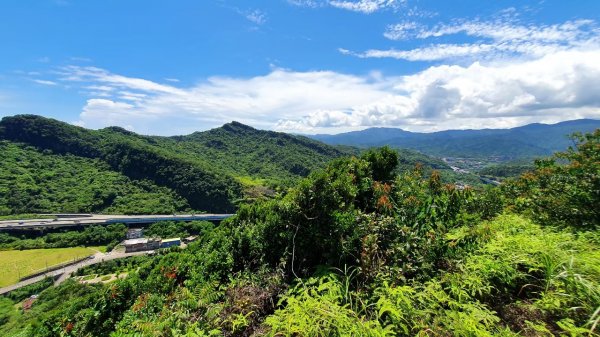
x=307, y=66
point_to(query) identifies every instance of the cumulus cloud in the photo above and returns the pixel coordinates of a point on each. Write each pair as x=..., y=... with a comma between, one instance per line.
x=499, y=38
x=553, y=88
x=260, y=101
x=560, y=86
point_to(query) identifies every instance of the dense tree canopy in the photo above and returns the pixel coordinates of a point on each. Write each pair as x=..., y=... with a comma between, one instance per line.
x=564, y=189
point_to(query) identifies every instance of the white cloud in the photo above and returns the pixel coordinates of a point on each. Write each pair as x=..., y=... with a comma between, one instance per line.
x=260, y=101
x=97, y=75
x=401, y=31
x=44, y=82
x=306, y=3
x=365, y=6
x=430, y=53
x=361, y=6
x=107, y=111
x=510, y=31
x=557, y=87
x=80, y=59
x=560, y=86
x=256, y=16
x=497, y=39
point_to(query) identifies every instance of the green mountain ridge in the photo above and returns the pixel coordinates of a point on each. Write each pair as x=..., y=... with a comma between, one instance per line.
x=33, y=181
x=212, y=171
x=203, y=188
x=528, y=141
x=205, y=171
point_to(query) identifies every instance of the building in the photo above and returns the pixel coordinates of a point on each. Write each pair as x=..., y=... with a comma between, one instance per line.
x=190, y=238
x=166, y=243
x=140, y=244
x=135, y=233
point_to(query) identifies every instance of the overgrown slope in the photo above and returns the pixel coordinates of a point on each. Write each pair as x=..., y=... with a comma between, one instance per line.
x=202, y=187
x=357, y=250
x=243, y=151
x=32, y=181
x=207, y=171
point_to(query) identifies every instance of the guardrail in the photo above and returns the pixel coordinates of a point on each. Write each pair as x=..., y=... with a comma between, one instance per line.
x=54, y=268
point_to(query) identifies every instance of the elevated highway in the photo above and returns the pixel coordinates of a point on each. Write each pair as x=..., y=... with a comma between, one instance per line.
x=73, y=220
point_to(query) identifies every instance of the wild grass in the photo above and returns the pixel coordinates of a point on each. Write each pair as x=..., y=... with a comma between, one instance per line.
x=18, y=263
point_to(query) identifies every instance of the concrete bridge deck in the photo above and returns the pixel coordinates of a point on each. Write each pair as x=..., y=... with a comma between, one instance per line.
x=103, y=219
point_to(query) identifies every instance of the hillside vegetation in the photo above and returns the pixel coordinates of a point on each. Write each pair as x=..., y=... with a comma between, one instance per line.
x=130, y=155
x=32, y=181
x=114, y=170
x=52, y=167
x=358, y=250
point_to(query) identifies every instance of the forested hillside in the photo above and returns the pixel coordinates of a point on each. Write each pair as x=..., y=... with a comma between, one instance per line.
x=32, y=181
x=533, y=140
x=207, y=171
x=50, y=166
x=245, y=152
x=358, y=250
x=130, y=155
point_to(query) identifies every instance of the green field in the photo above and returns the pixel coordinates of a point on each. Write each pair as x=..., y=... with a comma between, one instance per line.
x=19, y=263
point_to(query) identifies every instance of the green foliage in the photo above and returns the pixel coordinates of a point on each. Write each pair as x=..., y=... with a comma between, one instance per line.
x=129, y=264
x=431, y=310
x=34, y=181
x=506, y=170
x=20, y=294
x=419, y=258
x=202, y=168
x=173, y=229
x=131, y=155
x=89, y=236
x=562, y=194
x=275, y=158
x=318, y=307
x=7, y=311
x=72, y=169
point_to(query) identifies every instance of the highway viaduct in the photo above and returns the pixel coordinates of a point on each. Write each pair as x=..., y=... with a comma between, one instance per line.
x=76, y=220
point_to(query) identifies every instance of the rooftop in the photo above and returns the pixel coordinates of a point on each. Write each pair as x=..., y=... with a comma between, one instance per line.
x=135, y=241
x=171, y=240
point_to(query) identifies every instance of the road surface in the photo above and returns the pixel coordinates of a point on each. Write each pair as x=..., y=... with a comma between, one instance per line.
x=64, y=273
x=102, y=219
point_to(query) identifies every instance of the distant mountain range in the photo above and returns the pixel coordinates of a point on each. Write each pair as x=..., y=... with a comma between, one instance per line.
x=532, y=140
